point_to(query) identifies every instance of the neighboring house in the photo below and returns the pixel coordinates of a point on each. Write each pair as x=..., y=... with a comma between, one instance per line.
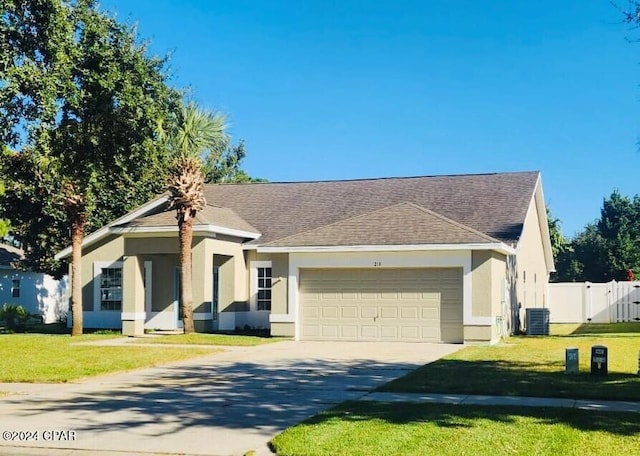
x=433, y=259
x=38, y=293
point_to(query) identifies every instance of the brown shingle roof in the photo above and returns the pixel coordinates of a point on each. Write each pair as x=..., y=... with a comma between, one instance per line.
x=210, y=215
x=401, y=224
x=493, y=204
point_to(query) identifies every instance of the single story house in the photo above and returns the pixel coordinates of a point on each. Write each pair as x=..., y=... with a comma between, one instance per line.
x=432, y=259
x=40, y=294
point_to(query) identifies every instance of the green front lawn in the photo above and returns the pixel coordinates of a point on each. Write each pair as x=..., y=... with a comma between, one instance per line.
x=535, y=366
x=210, y=339
x=368, y=428
x=59, y=358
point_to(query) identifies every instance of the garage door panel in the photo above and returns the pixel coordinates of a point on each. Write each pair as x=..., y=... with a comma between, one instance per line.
x=409, y=312
x=347, y=295
x=309, y=313
x=389, y=312
x=409, y=332
x=311, y=331
x=430, y=335
x=430, y=313
x=388, y=295
x=368, y=312
x=388, y=332
x=407, y=295
x=349, y=332
x=432, y=296
x=382, y=304
x=329, y=331
x=349, y=312
x=330, y=312
x=369, y=332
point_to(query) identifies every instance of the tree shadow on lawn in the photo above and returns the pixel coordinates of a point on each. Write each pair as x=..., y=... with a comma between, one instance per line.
x=605, y=329
x=271, y=395
x=463, y=416
x=508, y=378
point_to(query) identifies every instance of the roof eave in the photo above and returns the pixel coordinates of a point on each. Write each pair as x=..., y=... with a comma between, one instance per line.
x=215, y=229
x=543, y=223
x=497, y=247
x=106, y=230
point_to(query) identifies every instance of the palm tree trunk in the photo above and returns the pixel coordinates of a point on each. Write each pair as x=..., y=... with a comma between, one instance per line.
x=185, y=233
x=78, y=223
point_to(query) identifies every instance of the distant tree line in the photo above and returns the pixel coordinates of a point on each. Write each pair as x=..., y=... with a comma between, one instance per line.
x=604, y=250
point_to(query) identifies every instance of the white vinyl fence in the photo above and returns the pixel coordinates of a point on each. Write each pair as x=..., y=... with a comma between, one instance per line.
x=584, y=302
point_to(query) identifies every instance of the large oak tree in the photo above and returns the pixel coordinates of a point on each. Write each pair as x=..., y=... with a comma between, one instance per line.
x=80, y=100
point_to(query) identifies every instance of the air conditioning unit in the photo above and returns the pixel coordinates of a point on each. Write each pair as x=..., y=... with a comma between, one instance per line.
x=537, y=322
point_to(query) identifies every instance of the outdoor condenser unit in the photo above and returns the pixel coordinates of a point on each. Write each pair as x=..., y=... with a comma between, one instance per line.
x=537, y=322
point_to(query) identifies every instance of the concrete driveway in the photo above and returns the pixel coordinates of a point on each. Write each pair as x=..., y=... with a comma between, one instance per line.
x=223, y=404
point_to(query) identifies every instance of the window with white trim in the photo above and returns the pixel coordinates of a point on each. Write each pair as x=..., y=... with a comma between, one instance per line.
x=15, y=288
x=108, y=280
x=263, y=301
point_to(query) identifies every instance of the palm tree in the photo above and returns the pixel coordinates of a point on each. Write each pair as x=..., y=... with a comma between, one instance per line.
x=192, y=133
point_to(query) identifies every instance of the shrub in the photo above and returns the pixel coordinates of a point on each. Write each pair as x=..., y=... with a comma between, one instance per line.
x=14, y=317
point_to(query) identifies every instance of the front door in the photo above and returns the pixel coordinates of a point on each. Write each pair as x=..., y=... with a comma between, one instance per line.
x=176, y=298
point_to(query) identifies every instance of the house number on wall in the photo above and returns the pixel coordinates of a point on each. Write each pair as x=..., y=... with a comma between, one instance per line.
x=377, y=263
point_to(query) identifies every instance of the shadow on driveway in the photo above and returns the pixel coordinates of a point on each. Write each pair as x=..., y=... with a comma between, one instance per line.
x=217, y=407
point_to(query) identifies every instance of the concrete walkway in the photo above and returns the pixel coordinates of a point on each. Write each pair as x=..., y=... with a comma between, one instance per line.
x=517, y=401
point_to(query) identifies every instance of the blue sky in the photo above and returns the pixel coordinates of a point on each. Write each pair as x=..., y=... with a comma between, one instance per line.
x=323, y=90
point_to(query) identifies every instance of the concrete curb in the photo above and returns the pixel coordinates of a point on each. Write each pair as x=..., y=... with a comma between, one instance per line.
x=520, y=401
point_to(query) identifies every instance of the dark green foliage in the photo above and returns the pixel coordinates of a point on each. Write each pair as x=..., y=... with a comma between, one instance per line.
x=224, y=167
x=606, y=249
x=14, y=317
x=79, y=103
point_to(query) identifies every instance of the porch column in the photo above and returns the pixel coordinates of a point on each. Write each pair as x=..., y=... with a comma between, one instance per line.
x=133, y=314
x=202, y=280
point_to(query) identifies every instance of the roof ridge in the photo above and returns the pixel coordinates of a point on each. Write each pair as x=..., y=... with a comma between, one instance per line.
x=336, y=222
x=329, y=181
x=386, y=208
x=455, y=223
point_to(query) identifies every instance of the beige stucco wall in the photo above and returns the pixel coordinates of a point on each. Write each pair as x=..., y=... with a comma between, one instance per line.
x=479, y=334
x=163, y=277
x=283, y=329
x=488, y=270
x=279, y=284
x=163, y=253
x=229, y=256
x=531, y=269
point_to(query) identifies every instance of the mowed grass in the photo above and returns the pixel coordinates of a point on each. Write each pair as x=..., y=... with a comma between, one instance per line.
x=367, y=428
x=535, y=366
x=59, y=358
x=210, y=339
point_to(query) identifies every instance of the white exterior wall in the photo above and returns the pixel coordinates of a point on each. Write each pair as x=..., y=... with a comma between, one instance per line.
x=40, y=293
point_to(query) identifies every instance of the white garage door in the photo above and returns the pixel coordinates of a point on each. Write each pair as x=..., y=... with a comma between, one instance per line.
x=419, y=305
